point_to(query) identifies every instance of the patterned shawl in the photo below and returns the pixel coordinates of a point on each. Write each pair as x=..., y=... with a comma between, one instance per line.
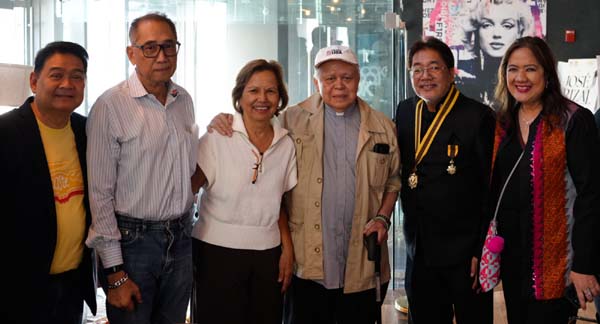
x=553, y=196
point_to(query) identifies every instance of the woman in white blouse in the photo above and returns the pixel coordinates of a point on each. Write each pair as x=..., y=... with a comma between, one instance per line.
x=243, y=254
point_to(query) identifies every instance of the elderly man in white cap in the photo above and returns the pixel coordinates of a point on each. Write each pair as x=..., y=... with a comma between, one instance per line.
x=348, y=183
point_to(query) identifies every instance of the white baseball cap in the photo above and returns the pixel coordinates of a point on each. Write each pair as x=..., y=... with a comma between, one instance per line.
x=335, y=52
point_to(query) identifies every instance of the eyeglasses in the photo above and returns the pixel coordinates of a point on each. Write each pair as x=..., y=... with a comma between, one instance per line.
x=151, y=50
x=257, y=166
x=418, y=72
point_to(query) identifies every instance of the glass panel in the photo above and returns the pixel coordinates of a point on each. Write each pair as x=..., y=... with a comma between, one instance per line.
x=219, y=37
x=357, y=24
x=400, y=90
x=398, y=249
x=14, y=32
x=106, y=39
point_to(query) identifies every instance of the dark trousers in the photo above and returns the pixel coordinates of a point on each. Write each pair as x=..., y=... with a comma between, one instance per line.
x=64, y=301
x=308, y=302
x=234, y=286
x=437, y=294
x=527, y=310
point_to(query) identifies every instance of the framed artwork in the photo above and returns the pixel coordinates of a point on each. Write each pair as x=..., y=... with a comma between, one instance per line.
x=479, y=32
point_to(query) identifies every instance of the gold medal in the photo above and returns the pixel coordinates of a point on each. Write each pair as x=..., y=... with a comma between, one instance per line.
x=452, y=153
x=413, y=180
x=451, y=168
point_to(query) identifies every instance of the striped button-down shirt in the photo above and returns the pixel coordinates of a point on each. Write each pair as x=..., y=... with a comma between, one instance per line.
x=141, y=155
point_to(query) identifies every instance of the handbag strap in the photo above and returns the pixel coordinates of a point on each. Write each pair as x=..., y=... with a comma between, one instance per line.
x=506, y=183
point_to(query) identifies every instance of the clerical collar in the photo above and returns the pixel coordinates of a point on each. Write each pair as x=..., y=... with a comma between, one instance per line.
x=346, y=113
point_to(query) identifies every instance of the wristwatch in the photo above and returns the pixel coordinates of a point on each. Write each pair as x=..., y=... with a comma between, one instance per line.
x=113, y=269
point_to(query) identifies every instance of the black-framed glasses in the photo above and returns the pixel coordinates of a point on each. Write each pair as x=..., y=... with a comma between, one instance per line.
x=418, y=71
x=151, y=50
x=257, y=166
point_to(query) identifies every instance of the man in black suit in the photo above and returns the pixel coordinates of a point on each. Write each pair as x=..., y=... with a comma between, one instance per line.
x=445, y=142
x=47, y=269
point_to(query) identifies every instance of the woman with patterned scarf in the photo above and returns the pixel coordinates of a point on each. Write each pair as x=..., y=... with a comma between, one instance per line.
x=549, y=214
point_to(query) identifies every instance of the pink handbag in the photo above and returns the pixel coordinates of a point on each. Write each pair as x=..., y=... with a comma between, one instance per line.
x=489, y=264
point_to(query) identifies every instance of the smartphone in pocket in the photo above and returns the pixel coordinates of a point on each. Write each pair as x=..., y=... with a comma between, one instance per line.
x=381, y=148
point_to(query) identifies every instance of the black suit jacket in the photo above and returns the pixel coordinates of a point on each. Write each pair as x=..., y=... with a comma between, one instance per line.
x=29, y=215
x=446, y=214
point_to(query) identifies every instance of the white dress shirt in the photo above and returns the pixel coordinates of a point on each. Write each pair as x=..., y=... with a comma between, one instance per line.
x=141, y=155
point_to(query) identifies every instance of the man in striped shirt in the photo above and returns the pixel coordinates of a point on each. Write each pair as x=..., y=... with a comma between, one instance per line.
x=141, y=154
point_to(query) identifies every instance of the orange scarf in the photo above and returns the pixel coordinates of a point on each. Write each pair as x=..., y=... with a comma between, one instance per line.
x=551, y=242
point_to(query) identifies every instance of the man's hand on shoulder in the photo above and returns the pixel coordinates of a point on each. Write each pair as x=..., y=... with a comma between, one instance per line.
x=222, y=124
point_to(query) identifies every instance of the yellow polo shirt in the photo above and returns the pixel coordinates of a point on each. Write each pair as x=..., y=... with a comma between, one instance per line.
x=67, y=184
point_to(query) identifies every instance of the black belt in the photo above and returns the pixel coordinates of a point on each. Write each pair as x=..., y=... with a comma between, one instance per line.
x=179, y=222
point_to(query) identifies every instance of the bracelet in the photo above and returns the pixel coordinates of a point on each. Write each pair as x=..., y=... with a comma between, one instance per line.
x=119, y=282
x=385, y=220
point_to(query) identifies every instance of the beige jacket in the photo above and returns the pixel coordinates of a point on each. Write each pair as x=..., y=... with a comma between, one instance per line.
x=375, y=174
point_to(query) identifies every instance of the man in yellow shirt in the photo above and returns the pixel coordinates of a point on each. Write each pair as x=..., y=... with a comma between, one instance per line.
x=45, y=211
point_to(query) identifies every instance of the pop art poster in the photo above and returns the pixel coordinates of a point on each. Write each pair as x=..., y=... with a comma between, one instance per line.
x=479, y=32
